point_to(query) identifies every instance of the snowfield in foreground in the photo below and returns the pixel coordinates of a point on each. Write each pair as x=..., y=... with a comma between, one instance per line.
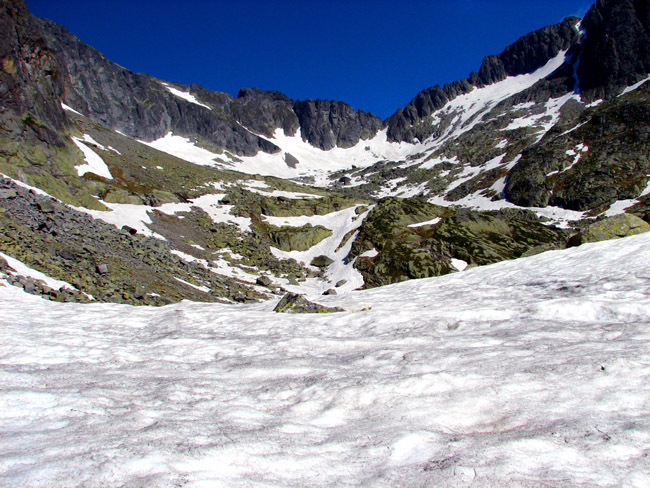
x=528, y=373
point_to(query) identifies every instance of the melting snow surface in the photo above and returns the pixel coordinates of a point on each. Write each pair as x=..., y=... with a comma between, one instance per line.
x=530, y=373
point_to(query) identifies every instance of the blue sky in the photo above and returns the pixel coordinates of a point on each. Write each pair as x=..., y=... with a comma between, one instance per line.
x=375, y=55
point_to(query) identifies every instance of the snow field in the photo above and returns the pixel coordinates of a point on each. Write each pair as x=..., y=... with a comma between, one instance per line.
x=529, y=373
x=313, y=162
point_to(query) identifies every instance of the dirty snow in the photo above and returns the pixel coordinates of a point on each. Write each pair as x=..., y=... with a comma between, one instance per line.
x=528, y=373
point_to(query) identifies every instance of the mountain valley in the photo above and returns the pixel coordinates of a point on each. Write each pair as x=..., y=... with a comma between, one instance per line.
x=546, y=137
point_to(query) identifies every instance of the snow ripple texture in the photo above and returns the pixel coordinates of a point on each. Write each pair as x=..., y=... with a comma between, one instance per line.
x=532, y=373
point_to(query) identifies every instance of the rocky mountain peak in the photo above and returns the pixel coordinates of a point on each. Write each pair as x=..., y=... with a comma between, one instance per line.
x=263, y=111
x=528, y=53
x=523, y=56
x=328, y=124
x=616, y=50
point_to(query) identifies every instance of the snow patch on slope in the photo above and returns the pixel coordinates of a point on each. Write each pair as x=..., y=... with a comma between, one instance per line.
x=428, y=222
x=185, y=95
x=137, y=216
x=94, y=163
x=468, y=109
x=183, y=148
x=24, y=270
x=558, y=216
x=261, y=188
x=70, y=109
x=635, y=86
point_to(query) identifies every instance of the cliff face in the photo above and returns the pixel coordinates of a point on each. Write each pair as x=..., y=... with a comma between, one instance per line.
x=31, y=81
x=139, y=105
x=616, y=51
x=327, y=124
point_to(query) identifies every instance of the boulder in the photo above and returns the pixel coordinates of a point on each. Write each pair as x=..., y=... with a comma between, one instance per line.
x=321, y=261
x=291, y=160
x=294, y=303
x=615, y=227
x=46, y=206
x=263, y=281
x=8, y=194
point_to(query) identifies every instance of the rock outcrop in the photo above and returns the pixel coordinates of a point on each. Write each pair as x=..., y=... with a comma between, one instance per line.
x=604, y=159
x=406, y=249
x=294, y=303
x=615, y=227
x=327, y=124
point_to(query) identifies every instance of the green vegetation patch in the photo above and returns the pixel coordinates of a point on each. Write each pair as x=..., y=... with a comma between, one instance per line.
x=475, y=237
